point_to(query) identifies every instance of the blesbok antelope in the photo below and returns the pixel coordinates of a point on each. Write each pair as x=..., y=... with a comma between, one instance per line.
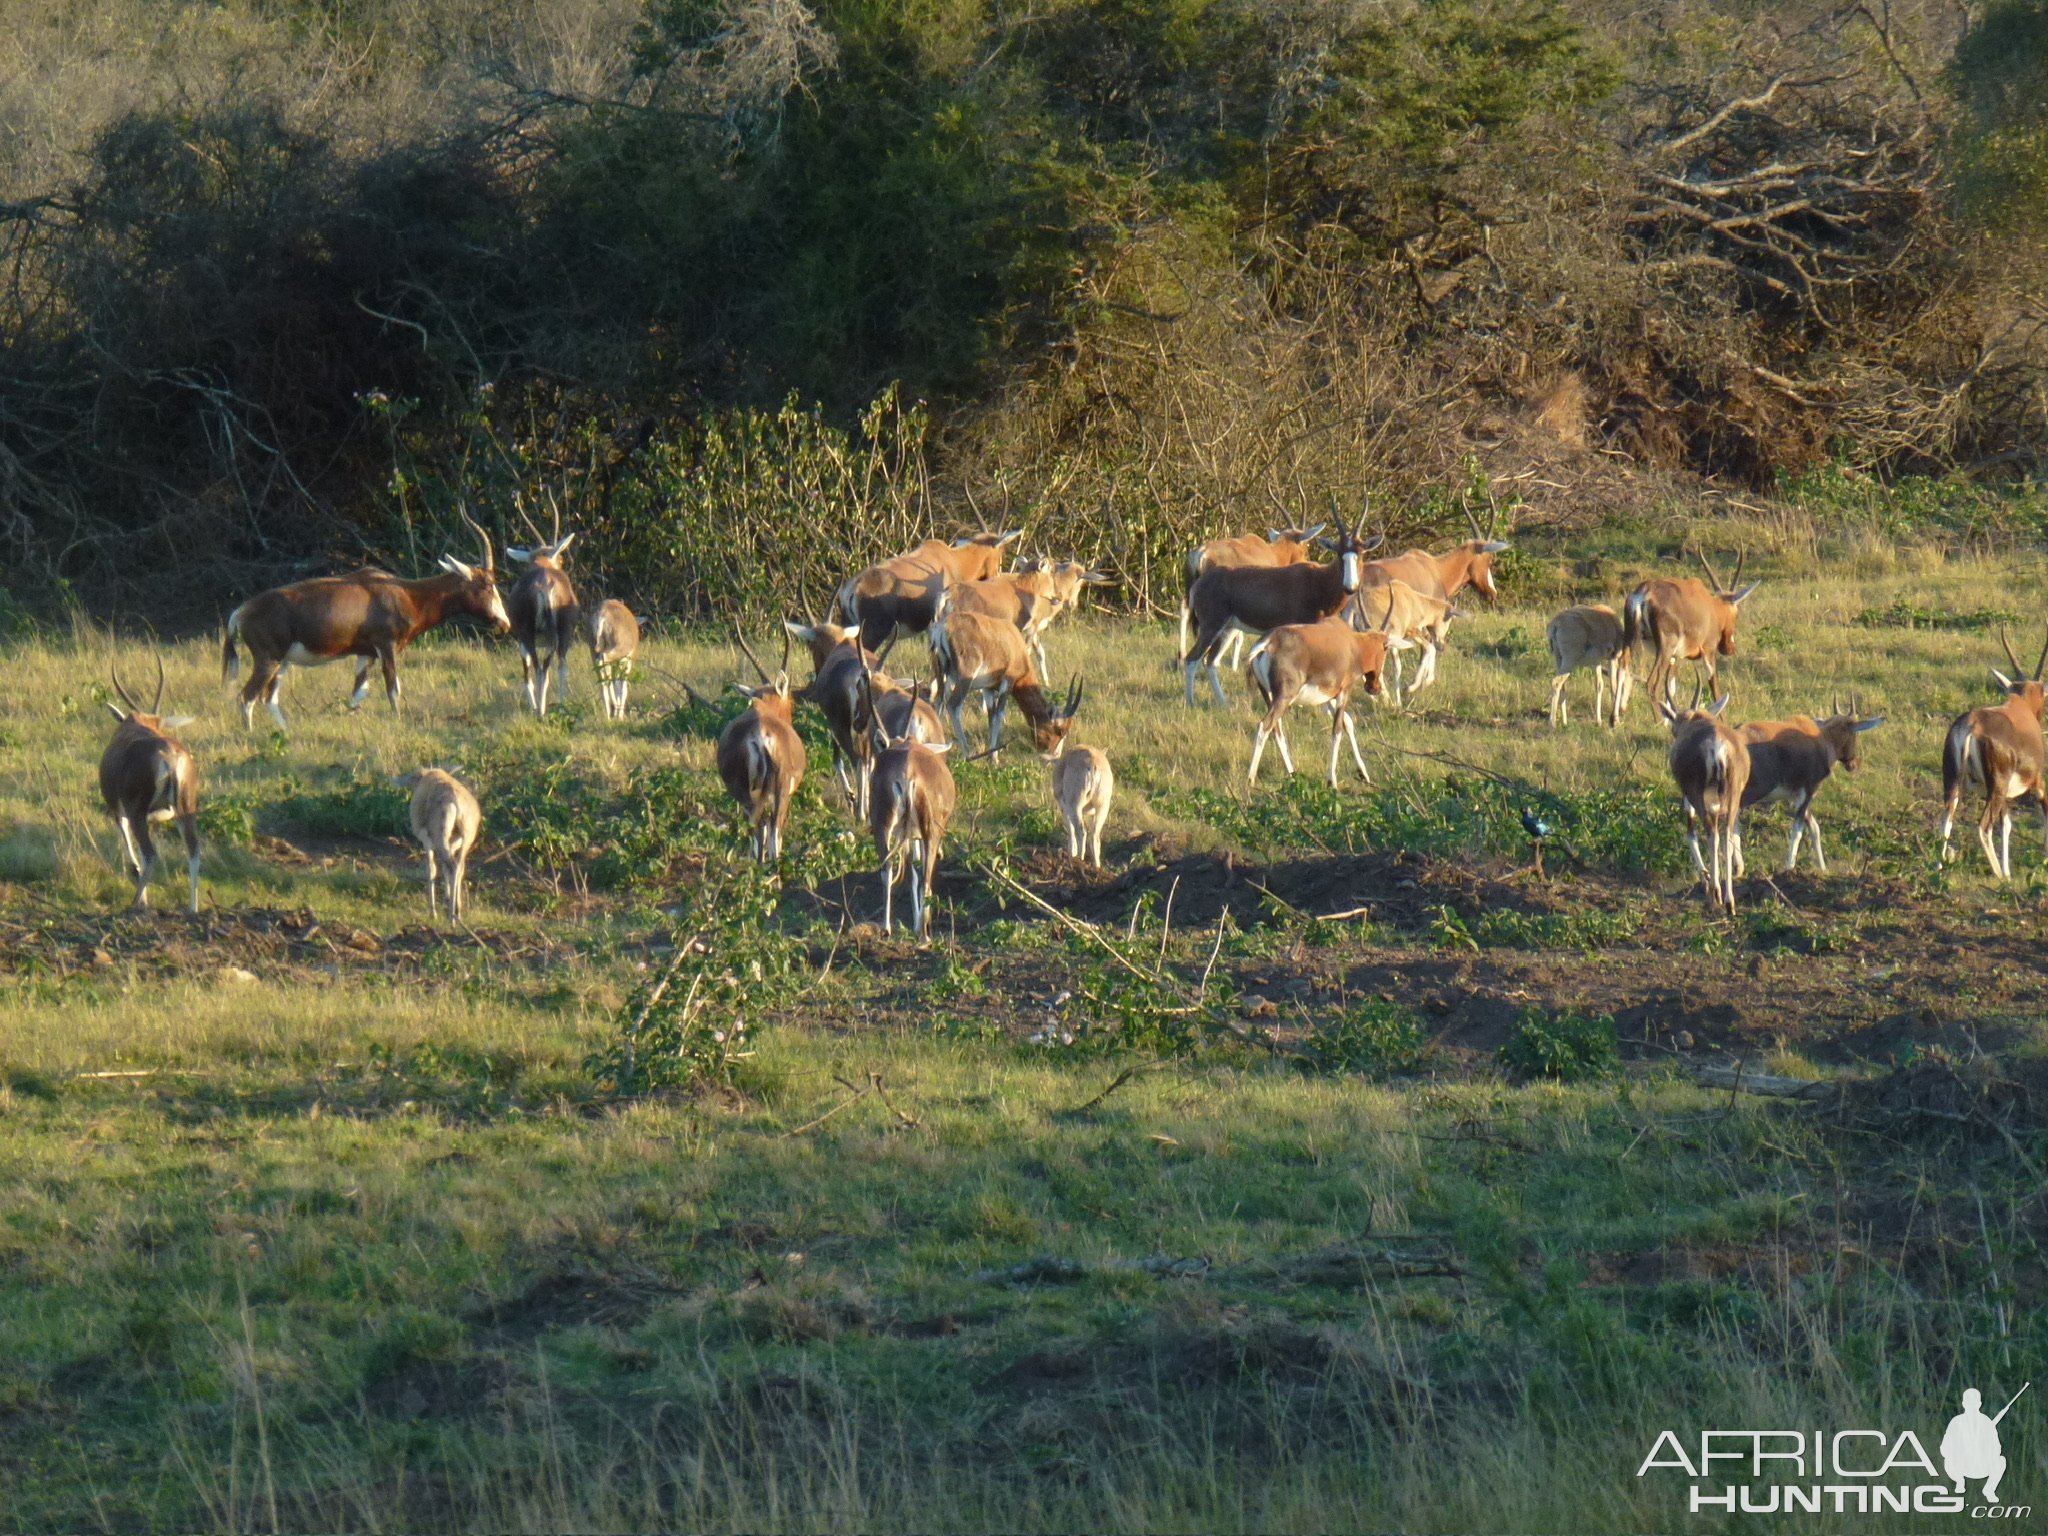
x=904, y=593
x=1083, y=785
x=614, y=636
x=1445, y=575
x=1589, y=635
x=445, y=822
x=1257, y=598
x=974, y=653
x=543, y=612
x=369, y=614
x=1685, y=619
x=1320, y=663
x=1412, y=621
x=908, y=811
x=1998, y=748
x=838, y=663
x=147, y=775
x=1280, y=546
x=1030, y=596
x=1789, y=760
x=1710, y=762
x=761, y=757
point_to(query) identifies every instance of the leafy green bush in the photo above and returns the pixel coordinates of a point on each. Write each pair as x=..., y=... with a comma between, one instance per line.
x=1375, y=1037
x=1565, y=1045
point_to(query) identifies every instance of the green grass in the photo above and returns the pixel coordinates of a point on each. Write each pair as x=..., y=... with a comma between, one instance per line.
x=375, y=1227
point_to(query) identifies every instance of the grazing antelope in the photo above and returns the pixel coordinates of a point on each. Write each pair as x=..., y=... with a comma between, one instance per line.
x=910, y=805
x=1684, y=619
x=445, y=822
x=1083, y=785
x=1789, y=760
x=838, y=663
x=543, y=611
x=761, y=757
x=1590, y=634
x=1412, y=621
x=147, y=775
x=1256, y=598
x=1320, y=663
x=1998, y=748
x=1710, y=762
x=369, y=614
x=1280, y=546
x=904, y=593
x=974, y=653
x=614, y=641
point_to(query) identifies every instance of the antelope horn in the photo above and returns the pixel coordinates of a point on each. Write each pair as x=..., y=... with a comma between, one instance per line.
x=2043, y=662
x=1712, y=575
x=488, y=564
x=785, y=650
x=156, y=705
x=888, y=645
x=2006, y=640
x=136, y=709
x=749, y=650
x=1465, y=506
x=1074, y=694
x=1741, y=559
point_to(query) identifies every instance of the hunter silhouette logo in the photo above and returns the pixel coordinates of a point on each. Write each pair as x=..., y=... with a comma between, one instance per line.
x=1970, y=1448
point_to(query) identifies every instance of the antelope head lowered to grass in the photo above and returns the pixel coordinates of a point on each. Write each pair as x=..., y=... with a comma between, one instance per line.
x=974, y=653
x=614, y=642
x=1789, y=760
x=147, y=775
x=1710, y=762
x=761, y=757
x=446, y=821
x=1589, y=635
x=1685, y=619
x=543, y=612
x=909, y=808
x=368, y=614
x=1998, y=748
x=1320, y=663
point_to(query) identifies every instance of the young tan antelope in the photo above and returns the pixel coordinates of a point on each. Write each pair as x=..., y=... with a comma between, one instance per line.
x=543, y=612
x=1083, y=785
x=147, y=775
x=761, y=757
x=614, y=641
x=910, y=804
x=445, y=822
x=1412, y=621
x=1789, y=760
x=1710, y=763
x=1589, y=635
x=1997, y=748
x=368, y=614
x=1280, y=546
x=1321, y=663
x=1684, y=619
x=974, y=653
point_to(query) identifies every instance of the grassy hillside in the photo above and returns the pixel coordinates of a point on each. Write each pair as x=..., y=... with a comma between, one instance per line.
x=1196, y=1211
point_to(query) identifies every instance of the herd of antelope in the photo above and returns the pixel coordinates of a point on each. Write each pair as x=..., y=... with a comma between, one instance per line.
x=1326, y=631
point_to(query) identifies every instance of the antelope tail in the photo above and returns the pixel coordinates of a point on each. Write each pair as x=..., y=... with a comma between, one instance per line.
x=760, y=766
x=230, y=664
x=1258, y=667
x=1960, y=755
x=1635, y=621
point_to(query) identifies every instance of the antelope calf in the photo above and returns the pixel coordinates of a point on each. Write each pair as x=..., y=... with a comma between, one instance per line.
x=904, y=593
x=1280, y=546
x=368, y=614
x=761, y=757
x=542, y=609
x=1258, y=598
x=445, y=822
x=1789, y=760
x=1684, y=619
x=1998, y=748
x=1411, y=620
x=614, y=641
x=1321, y=663
x=1710, y=763
x=147, y=775
x=1083, y=785
x=1589, y=635
x=974, y=653
x=909, y=807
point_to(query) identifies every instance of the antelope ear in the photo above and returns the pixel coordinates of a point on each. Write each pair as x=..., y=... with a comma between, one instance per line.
x=1718, y=705
x=1736, y=600
x=177, y=722
x=803, y=632
x=2004, y=683
x=1374, y=541
x=523, y=556
x=1867, y=725
x=781, y=684
x=1326, y=542
x=1275, y=535
x=1666, y=713
x=116, y=711
x=1097, y=579
x=939, y=747
x=562, y=544
x=1014, y=533
x=467, y=572
x=1495, y=547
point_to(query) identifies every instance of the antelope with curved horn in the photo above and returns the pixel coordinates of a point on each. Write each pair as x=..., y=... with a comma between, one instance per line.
x=1256, y=598
x=542, y=610
x=1710, y=763
x=1998, y=748
x=1280, y=546
x=1321, y=663
x=838, y=662
x=904, y=594
x=368, y=614
x=1412, y=621
x=910, y=806
x=974, y=653
x=761, y=757
x=147, y=775
x=1789, y=760
x=1470, y=564
x=1685, y=619
x=1031, y=596
x=1589, y=635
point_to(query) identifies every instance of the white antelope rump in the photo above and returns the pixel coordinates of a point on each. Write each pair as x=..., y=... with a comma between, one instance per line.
x=614, y=636
x=368, y=614
x=1685, y=619
x=1589, y=635
x=147, y=775
x=761, y=757
x=977, y=654
x=1257, y=598
x=908, y=811
x=1083, y=785
x=542, y=610
x=1321, y=663
x=1710, y=763
x=1997, y=748
x=1789, y=760
x=446, y=821
x=1280, y=546
x=1411, y=621
x=905, y=593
